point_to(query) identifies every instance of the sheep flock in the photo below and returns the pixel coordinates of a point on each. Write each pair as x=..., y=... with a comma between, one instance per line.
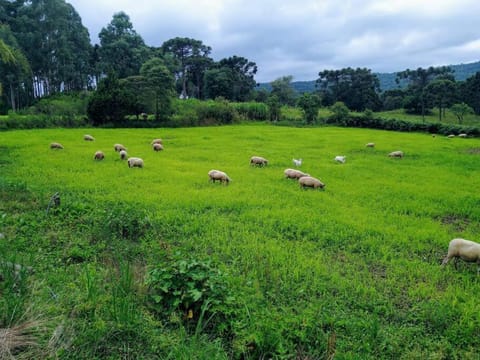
x=467, y=250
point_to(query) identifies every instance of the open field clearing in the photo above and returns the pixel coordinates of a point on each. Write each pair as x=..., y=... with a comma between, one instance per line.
x=348, y=272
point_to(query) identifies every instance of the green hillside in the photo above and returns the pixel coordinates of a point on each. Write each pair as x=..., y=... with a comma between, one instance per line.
x=387, y=80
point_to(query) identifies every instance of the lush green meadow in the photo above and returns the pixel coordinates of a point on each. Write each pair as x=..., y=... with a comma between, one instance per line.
x=350, y=272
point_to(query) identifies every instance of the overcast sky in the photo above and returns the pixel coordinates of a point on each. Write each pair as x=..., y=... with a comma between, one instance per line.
x=303, y=37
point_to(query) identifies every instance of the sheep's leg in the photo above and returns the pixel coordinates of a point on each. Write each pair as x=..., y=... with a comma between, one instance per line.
x=445, y=260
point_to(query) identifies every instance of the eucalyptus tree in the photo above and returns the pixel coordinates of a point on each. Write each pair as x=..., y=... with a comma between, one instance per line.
x=121, y=50
x=51, y=35
x=418, y=101
x=191, y=61
x=14, y=70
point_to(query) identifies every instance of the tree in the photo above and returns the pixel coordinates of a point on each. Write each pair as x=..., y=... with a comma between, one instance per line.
x=340, y=111
x=231, y=78
x=274, y=108
x=282, y=88
x=110, y=102
x=190, y=55
x=470, y=92
x=357, y=88
x=442, y=92
x=159, y=85
x=15, y=70
x=460, y=110
x=418, y=81
x=309, y=103
x=56, y=44
x=121, y=50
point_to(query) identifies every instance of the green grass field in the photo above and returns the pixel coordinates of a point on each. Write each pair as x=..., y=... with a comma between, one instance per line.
x=350, y=272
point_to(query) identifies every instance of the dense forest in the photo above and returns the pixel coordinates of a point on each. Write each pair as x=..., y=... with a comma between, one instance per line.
x=45, y=50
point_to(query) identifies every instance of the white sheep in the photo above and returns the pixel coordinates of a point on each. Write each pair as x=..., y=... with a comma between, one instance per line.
x=370, y=144
x=340, y=159
x=466, y=250
x=99, y=155
x=88, y=138
x=135, y=162
x=157, y=147
x=451, y=136
x=308, y=181
x=123, y=154
x=462, y=135
x=221, y=176
x=294, y=174
x=398, y=154
x=56, y=145
x=258, y=160
x=118, y=147
x=157, y=141
x=297, y=162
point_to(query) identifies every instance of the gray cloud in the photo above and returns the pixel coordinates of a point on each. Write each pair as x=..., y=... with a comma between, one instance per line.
x=287, y=37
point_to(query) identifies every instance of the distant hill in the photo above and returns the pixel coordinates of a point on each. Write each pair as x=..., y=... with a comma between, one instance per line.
x=387, y=80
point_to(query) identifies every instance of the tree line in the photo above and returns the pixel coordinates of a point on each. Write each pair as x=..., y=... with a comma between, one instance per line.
x=45, y=50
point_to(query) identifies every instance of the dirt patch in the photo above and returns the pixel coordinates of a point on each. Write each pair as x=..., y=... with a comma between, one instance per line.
x=458, y=222
x=475, y=151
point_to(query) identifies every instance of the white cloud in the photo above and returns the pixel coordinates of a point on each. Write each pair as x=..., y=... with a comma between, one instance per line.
x=287, y=37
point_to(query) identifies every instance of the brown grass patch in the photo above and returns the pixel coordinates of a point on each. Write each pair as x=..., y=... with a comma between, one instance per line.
x=17, y=338
x=458, y=222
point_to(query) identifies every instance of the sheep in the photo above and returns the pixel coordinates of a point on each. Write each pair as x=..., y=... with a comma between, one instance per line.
x=462, y=135
x=294, y=174
x=157, y=141
x=88, y=138
x=219, y=175
x=135, y=162
x=340, y=159
x=308, y=181
x=55, y=145
x=157, y=147
x=297, y=162
x=451, y=136
x=466, y=250
x=123, y=154
x=370, y=144
x=118, y=147
x=398, y=154
x=258, y=160
x=99, y=155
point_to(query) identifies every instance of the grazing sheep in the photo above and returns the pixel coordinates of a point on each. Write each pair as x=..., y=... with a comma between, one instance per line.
x=56, y=145
x=340, y=159
x=88, y=138
x=297, y=162
x=308, y=181
x=462, y=135
x=370, y=145
x=157, y=147
x=144, y=116
x=258, y=160
x=119, y=147
x=135, y=162
x=157, y=141
x=123, y=154
x=294, y=174
x=398, y=154
x=466, y=250
x=99, y=155
x=215, y=175
x=451, y=136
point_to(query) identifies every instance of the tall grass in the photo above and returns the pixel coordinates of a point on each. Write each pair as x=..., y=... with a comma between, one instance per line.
x=351, y=271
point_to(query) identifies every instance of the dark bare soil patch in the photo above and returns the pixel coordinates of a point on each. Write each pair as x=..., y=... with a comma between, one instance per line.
x=458, y=222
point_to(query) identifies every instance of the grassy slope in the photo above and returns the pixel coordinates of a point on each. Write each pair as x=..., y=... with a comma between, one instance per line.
x=360, y=259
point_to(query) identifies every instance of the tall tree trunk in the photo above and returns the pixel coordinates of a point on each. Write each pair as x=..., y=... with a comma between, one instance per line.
x=12, y=98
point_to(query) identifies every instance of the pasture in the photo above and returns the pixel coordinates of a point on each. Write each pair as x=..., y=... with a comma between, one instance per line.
x=348, y=272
